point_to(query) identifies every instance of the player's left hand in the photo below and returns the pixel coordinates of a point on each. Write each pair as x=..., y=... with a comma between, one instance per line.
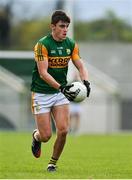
x=68, y=94
x=87, y=84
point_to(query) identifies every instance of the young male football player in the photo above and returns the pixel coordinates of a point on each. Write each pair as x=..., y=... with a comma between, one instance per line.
x=50, y=92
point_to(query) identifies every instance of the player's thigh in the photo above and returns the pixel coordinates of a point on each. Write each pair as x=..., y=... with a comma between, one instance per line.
x=43, y=123
x=61, y=116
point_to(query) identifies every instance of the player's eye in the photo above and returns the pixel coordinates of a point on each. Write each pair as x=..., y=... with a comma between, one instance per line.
x=63, y=25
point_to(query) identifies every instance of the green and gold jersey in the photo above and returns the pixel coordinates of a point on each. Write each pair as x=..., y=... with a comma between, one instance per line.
x=58, y=55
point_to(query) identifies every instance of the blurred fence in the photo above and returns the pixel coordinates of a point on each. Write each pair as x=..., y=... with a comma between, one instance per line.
x=101, y=112
x=13, y=101
x=15, y=111
x=115, y=60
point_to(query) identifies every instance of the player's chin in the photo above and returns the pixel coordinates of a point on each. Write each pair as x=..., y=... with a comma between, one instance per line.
x=64, y=37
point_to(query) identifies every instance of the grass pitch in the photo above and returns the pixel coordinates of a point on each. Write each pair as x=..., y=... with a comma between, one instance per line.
x=84, y=157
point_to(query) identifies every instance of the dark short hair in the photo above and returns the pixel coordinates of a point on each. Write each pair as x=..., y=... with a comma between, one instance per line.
x=59, y=15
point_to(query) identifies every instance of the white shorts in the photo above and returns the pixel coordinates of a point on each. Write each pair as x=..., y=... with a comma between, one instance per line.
x=42, y=103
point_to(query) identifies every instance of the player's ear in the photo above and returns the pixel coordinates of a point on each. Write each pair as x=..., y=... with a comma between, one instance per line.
x=52, y=26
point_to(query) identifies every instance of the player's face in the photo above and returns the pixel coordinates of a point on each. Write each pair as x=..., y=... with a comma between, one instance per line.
x=60, y=30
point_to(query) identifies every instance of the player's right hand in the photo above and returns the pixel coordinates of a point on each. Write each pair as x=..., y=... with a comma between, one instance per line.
x=66, y=91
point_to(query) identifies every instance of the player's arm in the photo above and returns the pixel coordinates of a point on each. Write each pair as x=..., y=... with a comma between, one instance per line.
x=77, y=61
x=41, y=58
x=82, y=69
x=42, y=68
x=83, y=74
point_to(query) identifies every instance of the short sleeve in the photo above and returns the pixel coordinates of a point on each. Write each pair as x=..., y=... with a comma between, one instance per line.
x=40, y=52
x=75, y=53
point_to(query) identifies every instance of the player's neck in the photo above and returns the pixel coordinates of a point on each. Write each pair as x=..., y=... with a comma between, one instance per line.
x=56, y=38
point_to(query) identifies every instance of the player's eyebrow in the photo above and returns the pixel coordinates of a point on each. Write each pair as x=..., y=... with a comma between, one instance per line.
x=63, y=25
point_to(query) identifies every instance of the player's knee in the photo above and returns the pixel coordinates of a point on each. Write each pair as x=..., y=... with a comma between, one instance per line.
x=45, y=137
x=63, y=132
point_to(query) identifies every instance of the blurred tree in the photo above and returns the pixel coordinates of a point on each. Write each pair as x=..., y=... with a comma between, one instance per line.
x=26, y=33
x=111, y=28
x=5, y=26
